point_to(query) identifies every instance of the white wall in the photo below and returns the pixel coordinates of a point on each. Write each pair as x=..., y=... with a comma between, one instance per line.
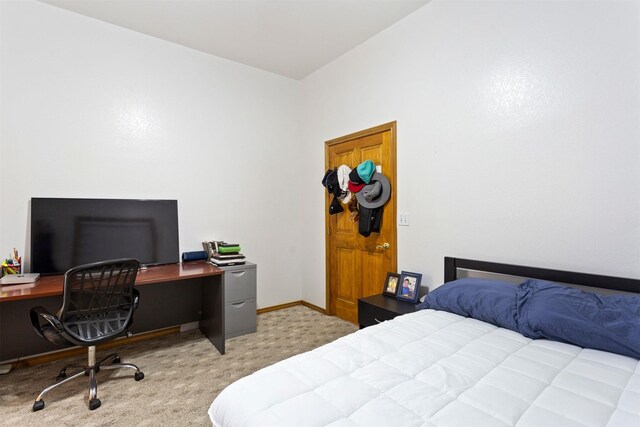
x=518, y=130
x=92, y=110
x=518, y=134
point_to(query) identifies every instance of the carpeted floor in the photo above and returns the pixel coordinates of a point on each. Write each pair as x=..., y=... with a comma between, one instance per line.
x=183, y=374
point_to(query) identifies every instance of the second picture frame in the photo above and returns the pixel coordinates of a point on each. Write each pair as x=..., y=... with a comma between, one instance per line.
x=409, y=286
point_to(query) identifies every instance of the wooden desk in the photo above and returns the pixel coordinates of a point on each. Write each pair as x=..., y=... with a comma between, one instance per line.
x=170, y=295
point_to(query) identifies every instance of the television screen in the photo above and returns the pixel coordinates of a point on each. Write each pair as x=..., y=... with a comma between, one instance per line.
x=69, y=232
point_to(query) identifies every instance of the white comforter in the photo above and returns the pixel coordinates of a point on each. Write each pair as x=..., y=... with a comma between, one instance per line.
x=433, y=368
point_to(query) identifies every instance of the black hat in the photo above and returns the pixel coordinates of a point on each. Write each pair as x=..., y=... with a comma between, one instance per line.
x=354, y=177
x=330, y=181
x=326, y=175
x=336, y=206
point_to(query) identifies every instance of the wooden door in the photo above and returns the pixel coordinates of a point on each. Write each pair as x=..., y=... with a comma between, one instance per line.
x=356, y=265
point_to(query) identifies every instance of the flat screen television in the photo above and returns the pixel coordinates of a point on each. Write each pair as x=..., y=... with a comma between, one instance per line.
x=69, y=232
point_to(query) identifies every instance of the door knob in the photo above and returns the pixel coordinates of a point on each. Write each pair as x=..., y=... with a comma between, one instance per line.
x=385, y=245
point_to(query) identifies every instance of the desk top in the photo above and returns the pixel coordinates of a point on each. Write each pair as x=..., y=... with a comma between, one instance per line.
x=52, y=285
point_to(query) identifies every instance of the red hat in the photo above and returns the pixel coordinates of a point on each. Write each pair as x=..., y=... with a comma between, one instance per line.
x=354, y=188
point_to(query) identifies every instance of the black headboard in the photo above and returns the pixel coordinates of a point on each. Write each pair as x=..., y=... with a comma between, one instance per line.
x=451, y=266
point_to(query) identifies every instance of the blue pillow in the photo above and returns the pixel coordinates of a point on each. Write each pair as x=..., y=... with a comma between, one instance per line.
x=491, y=301
x=610, y=323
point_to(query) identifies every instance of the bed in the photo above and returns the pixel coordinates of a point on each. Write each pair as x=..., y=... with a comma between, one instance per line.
x=438, y=368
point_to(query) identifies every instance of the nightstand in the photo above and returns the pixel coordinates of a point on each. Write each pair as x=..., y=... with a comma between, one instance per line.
x=378, y=308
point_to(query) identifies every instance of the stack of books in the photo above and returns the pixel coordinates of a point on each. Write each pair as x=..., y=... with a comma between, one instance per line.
x=223, y=254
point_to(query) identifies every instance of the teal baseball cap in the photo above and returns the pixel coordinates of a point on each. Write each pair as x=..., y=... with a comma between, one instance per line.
x=366, y=170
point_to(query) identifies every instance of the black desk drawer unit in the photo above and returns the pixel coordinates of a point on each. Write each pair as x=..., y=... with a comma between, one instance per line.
x=378, y=308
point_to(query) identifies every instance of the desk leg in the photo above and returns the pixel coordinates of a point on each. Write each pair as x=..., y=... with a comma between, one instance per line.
x=212, y=322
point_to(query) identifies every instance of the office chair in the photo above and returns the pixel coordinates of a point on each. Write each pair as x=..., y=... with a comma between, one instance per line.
x=97, y=306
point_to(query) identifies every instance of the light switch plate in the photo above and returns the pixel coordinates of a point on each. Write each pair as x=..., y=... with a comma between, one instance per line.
x=403, y=219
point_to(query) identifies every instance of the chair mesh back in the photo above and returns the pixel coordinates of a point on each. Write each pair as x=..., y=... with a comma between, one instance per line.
x=98, y=299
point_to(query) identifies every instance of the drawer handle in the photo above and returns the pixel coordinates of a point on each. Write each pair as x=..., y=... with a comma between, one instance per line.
x=238, y=304
x=238, y=273
x=378, y=321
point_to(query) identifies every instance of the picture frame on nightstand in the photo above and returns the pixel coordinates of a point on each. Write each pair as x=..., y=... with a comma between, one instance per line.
x=391, y=284
x=409, y=286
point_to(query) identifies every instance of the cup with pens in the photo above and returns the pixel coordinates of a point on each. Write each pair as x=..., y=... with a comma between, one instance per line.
x=13, y=264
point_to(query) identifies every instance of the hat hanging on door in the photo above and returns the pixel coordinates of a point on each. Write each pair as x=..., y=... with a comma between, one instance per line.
x=366, y=170
x=330, y=181
x=335, y=206
x=375, y=194
x=343, y=183
x=353, y=187
x=355, y=178
x=361, y=175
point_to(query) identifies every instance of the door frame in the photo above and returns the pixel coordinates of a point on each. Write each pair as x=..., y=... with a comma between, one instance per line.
x=393, y=238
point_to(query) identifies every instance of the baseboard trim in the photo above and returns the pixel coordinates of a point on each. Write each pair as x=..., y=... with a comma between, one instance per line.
x=76, y=351
x=291, y=304
x=278, y=307
x=314, y=307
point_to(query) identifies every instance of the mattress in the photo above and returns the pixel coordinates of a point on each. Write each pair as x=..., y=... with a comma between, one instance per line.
x=434, y=368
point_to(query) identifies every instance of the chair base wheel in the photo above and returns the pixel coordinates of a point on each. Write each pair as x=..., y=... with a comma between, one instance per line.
x=138, y=376
x=94, y=404
x=37, y=405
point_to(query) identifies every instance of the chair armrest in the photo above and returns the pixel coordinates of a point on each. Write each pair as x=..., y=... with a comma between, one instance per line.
x=36, y=313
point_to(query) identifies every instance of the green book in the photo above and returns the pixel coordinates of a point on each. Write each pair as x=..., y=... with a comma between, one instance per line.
x=228, y=249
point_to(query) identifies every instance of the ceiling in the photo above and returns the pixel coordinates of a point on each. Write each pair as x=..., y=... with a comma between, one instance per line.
x=291, y=38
